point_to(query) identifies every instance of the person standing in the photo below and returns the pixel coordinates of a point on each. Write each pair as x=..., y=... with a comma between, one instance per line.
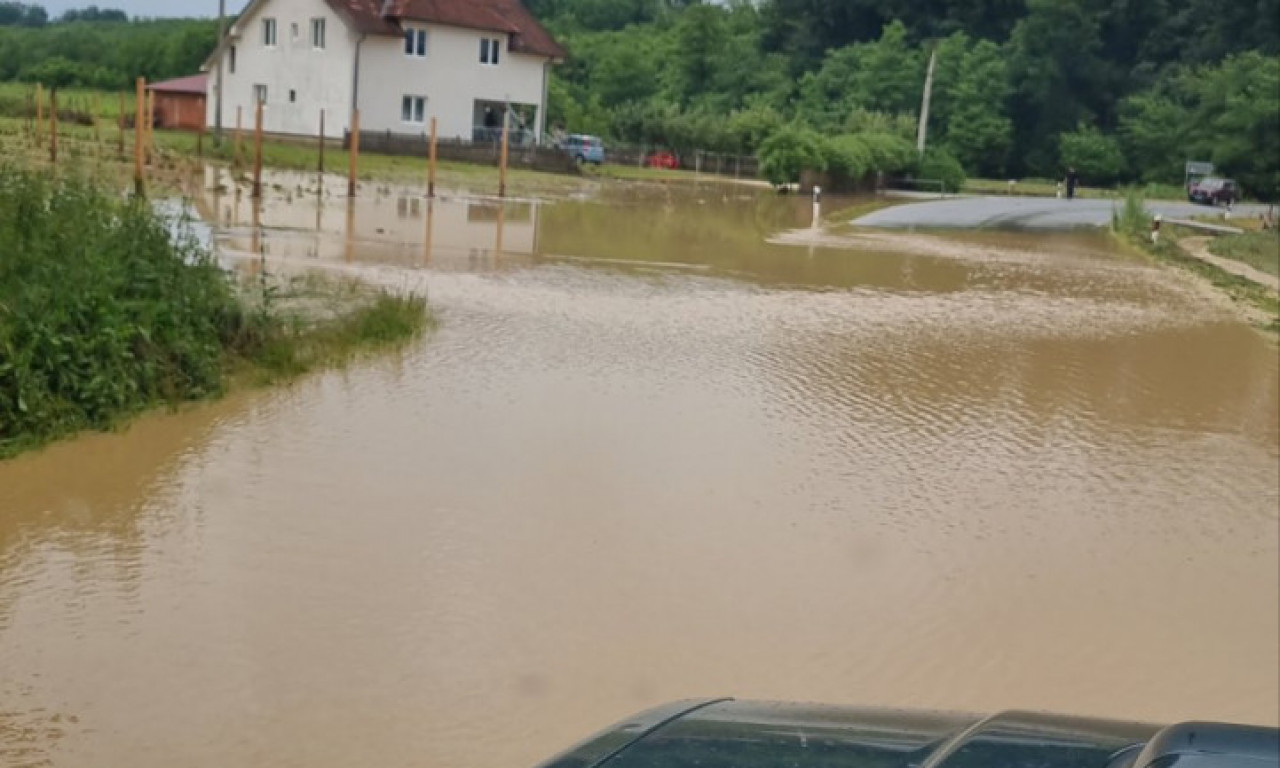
x=1072, y=179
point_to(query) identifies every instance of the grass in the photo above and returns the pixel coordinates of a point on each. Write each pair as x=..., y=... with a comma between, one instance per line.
x=1049, y=188
x=1259, y=249
x=1132, y=225
x=182, y=151
x=105, y=312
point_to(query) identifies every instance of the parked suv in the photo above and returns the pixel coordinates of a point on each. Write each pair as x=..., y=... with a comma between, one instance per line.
x=584, y=149
x=1213, y=191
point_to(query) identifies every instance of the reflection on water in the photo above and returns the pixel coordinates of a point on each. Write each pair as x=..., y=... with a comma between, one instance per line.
x=649, y=456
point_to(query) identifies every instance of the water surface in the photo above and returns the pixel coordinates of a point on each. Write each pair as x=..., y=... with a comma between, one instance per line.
x=650, y=456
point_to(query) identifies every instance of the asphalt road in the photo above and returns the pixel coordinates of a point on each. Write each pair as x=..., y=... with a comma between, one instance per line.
x=1025, y=213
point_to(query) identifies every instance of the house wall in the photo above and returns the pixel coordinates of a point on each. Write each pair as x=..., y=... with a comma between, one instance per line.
x=450, y=76
x=320, y=79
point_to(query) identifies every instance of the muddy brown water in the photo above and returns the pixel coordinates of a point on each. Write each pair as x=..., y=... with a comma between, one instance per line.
x=649, y=456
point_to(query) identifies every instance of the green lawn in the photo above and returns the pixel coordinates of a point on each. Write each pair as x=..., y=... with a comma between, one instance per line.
x=178, y=151
x=1049, y=188
x=1260, y=250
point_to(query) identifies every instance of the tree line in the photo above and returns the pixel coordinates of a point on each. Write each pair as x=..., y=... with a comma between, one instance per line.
x=1123, y=91
x=98, y=48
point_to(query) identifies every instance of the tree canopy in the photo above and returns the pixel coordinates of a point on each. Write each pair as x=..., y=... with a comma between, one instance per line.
x=1126, y=91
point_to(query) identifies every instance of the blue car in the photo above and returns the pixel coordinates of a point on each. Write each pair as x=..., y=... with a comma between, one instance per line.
x=584, y=149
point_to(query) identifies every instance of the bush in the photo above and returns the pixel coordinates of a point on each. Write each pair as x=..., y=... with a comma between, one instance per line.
x=940, y=164
x=101, y=312
x=1097, y=158
x=105, y=312
x=789, y=152
x=1132, y=219
x=853, y=157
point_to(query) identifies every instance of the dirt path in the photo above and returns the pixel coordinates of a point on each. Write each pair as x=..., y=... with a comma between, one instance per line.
x=1199, y=248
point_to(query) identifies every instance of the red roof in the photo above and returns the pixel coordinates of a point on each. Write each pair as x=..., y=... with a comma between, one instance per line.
x=192, y=84
x=507, y=16
x=365, y=16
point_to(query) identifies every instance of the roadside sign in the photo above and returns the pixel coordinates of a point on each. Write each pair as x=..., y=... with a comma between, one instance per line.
x=1199, y=169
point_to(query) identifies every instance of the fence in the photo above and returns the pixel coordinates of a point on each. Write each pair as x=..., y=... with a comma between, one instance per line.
x=699, y=161
x=520, y=155
x=525, y=153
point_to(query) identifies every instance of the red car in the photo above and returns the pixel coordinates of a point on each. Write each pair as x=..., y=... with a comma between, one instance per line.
x=1213, y=191
x=663, y=159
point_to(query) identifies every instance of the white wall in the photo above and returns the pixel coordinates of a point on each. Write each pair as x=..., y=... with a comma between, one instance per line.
x=321, y=79
x=450, y=76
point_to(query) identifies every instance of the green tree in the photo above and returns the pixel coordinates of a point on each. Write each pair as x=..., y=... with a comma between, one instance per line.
x=1154, y=135
x=977, y=130
x=788, y=153
x=1095, y=157
x=1056, y=75
x=886, y=75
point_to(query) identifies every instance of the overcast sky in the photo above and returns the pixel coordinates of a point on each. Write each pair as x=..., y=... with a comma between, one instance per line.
x=144, y=7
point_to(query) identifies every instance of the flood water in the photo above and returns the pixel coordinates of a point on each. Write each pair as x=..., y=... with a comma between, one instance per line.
x=647, y=456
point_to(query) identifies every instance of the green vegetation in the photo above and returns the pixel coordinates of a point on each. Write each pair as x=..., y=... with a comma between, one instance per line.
x=117, y=314
x=1125, y=92
x=99, y=48
x=789, y=152
x=1132, y=220
x=1132, y=224
x=1260, y=250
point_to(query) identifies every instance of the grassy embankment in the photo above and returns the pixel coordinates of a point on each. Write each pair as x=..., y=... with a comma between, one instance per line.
x=1132, y=224
x=1048, y=188
x=104, y=312
x=1259, y=249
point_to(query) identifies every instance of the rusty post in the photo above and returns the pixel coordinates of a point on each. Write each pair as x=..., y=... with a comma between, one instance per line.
x=320, y=165
x=431, y=162
x=139, y=179
x=354, y=169
x=257, y=154
x=502, y=163
x=53, y=126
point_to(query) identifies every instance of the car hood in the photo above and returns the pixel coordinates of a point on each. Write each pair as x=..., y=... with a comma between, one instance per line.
x=724, y=733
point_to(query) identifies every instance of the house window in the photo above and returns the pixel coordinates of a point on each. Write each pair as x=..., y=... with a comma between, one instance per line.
x=415, y=42
x=293, y=96
x=259, y=94
x=293, y=32
x=231, y=59
x=269, y=33
x=317, y=34
x=413, y=109
x=489, y=50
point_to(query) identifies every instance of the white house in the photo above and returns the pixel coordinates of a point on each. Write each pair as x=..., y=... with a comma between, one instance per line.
x=399, y=62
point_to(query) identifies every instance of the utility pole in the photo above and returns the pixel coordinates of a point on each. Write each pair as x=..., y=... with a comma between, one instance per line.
x=217, y=109
x=923, y=132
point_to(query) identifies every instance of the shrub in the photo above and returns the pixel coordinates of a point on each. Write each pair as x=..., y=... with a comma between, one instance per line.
x=940, y=164
x=789, y=152
x=1097, y=158
x=853, y=157
x=102, y=312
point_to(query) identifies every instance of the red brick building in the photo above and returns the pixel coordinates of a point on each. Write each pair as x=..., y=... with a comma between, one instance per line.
x=180, y=104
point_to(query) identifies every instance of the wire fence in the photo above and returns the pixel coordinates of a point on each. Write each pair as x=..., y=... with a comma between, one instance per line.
x=485, y=146
x=726, y=164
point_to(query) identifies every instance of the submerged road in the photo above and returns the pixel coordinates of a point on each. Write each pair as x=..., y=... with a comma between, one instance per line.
x=1025, y=213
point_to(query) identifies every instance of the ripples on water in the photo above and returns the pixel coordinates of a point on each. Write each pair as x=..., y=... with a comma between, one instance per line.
x=648, y=456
